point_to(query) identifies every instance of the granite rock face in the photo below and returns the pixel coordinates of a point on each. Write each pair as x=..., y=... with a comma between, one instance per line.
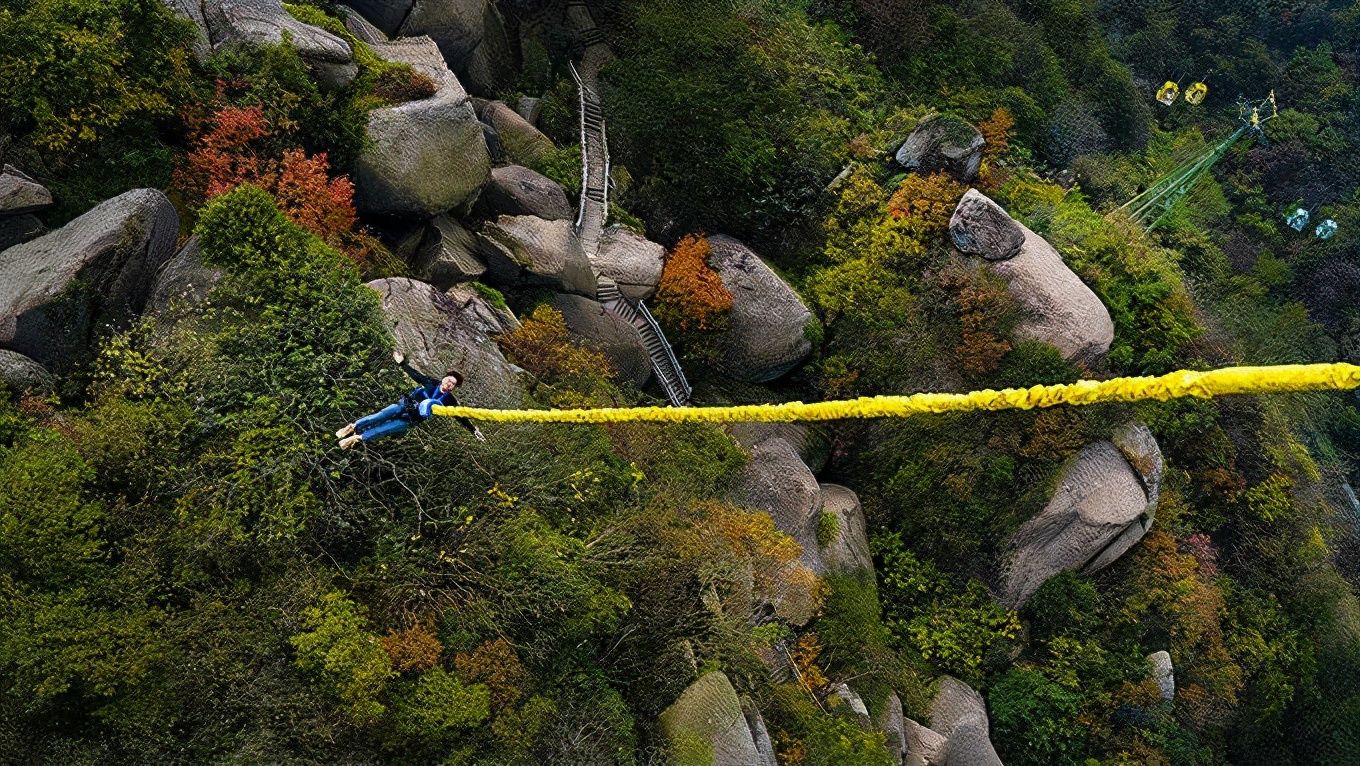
x=768, y=335
x=631, y=260
x=449, y=253
x=959, y=715
x=21, y=194
x=481, y=314
x=532, y=251
x=265, y=22
x=709, y=712
x=58, y=292
x=943, y=143
x=1163, y=673
x=471, y=35
x=437, y=335
x=521, y=141
x=606, y=332
x=517, y=190
x=425, y=157
x=1056, y=306
x=18, y=373
x=1104, y=503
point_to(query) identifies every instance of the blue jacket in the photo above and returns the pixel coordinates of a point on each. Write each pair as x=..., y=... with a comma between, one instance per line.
x=428, y=390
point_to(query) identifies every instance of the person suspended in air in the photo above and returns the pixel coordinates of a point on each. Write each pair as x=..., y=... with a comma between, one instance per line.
x=414, y=407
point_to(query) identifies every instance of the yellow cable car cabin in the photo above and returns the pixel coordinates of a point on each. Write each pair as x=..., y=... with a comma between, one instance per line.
x=1196, y=93
x=1168, y=92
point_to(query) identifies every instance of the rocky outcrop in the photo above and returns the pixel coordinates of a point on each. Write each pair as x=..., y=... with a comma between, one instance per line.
x=60, y=290
x=184, y=277
x=21, y=194
x=436, y=335
x=777, y=481
x=424, y=157
x=1104, y=503
x=943, y=143
x=449, y=253
x=853, y=704
x=924, y=746
x=20, y=197
x=1163, y=674
x=529, y=250
x=893, y=724
x=605, y=331
x=959, y=716
x=18, y=373
x=471, y=35
x=517, y=190
x=631, y=260
x=708, y=716
x=522, y=142
x=980, y=227
x=767, y=335
x=265, y=22
x=1057, y=307
x=481, y=314
x=848, y=551
x=807, y=439
x=760, y=734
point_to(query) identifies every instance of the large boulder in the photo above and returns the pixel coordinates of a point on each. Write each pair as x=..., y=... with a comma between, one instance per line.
x=471, y=34
x=1057, y=307
x=760, y=734
x=1104, y=503
x=449, y=253
x=809, y=440
x=980, y=227
x=193, y=11
x=605, y=331
x=265, y=22
x=959, y=715
x=522, y=142
x=631, y=260
x=60, y=290
x=385, y=15
x=21, y=194
x=19, y=374
x=943, y=143
x=848, y=550
x=184, y=277
x=436, y=335
x=529, y=250
x=708, y=719
x=424, y=157
x=517, y=190
x=1163, y=673
x=893, y=724
x=776, y=481
x=480, y=313
x=923, y=746
x=768, y=334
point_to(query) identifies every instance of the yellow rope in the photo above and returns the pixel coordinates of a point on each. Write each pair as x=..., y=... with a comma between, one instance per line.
x=1230, y=380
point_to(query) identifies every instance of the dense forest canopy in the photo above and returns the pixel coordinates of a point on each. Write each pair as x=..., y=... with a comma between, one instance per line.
x=219, y=219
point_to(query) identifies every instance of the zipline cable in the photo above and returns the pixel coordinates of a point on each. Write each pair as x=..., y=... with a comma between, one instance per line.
x=1337, y=376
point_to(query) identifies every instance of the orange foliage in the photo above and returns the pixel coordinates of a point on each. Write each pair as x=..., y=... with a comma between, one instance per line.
x=996, y=130
x=495, y=664
x=768, y=559
x=982, y=307
x=805, y=654
x=927, y=201
x=230, y=146
x=414, y=648
x=691, y=292
x=543, y=346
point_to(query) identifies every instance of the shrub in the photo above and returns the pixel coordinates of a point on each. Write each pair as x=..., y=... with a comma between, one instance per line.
x=691, y=295
x=335, y=645
x=927, y=201
x=412, y=648
x=1035, y=720
x=543, y=346
x=438, y=706
x=828, y=528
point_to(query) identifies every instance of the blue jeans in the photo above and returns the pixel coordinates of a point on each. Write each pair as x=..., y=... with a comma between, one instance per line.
x=388, y=421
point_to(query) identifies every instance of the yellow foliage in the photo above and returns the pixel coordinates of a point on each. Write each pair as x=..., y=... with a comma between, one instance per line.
x=543, y=346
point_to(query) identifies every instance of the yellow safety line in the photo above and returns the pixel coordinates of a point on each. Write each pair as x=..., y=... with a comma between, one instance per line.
x=1229, y=380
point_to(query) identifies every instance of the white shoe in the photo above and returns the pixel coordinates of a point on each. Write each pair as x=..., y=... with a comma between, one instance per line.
x=350, y=441
x=346, y=431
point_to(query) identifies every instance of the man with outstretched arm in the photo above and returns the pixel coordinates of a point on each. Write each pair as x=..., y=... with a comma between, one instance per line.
x=414, y=407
